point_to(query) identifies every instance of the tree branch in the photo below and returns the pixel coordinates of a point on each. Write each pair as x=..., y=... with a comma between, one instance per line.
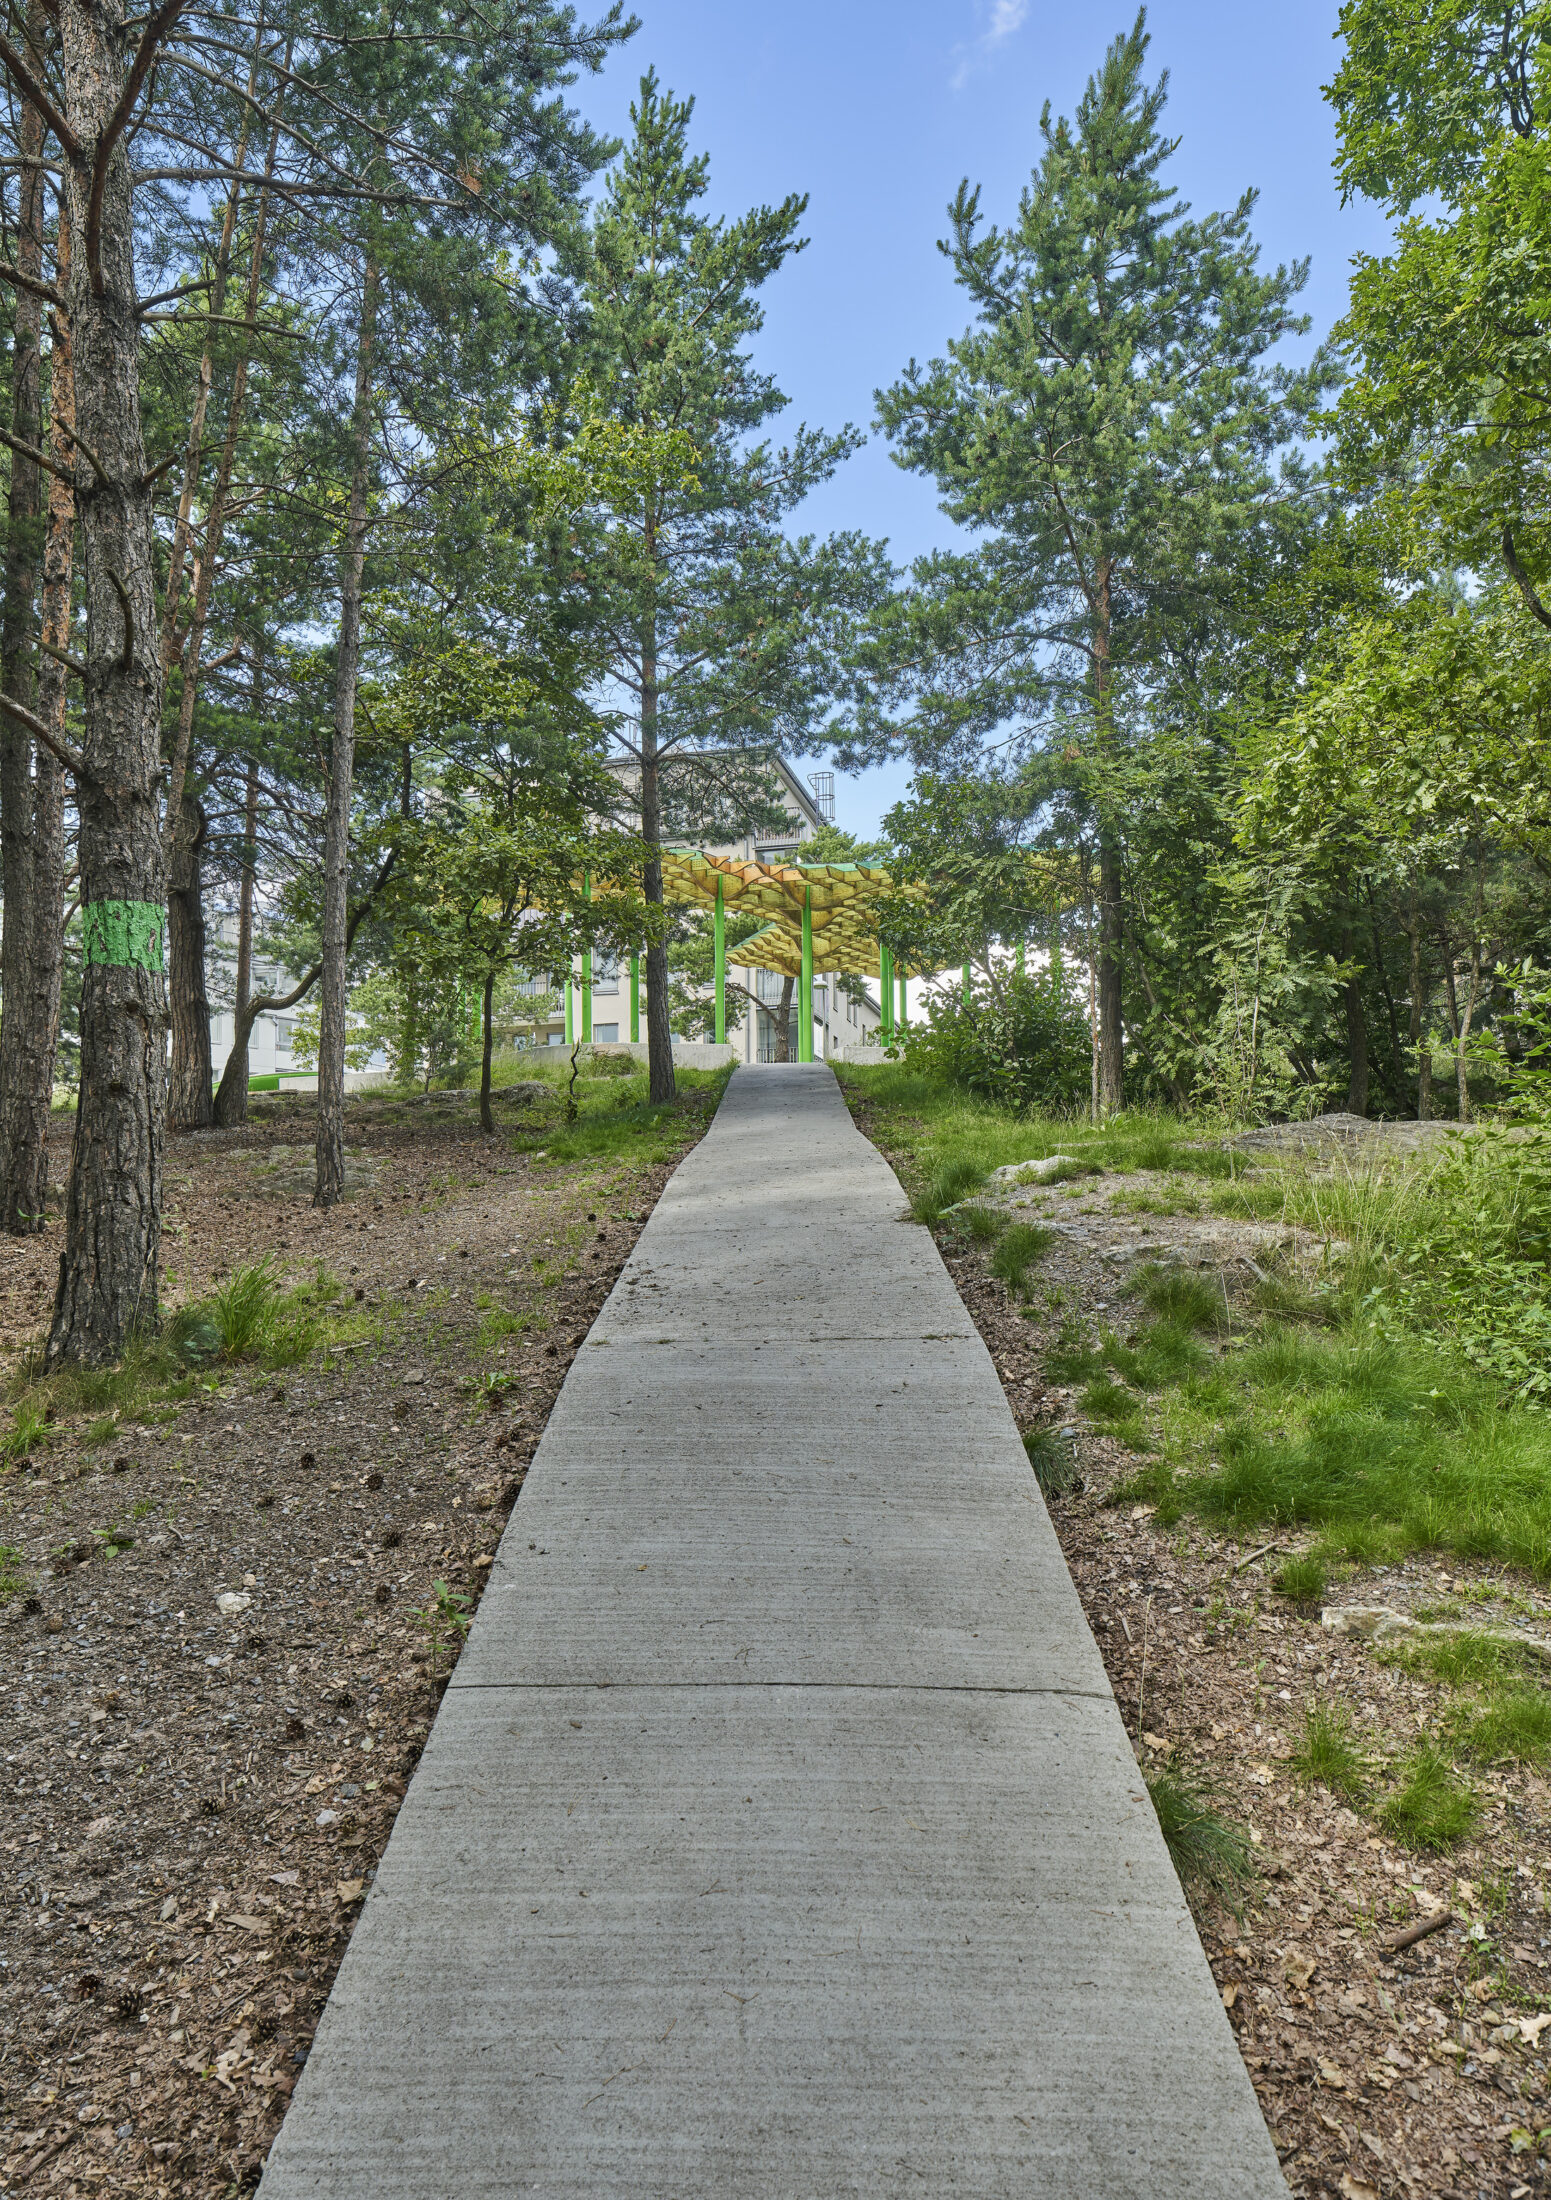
x=39, y=458
x=151, y=37
x=72, y=761
x=34, y=283
x=31, y=90
x=1525, y=585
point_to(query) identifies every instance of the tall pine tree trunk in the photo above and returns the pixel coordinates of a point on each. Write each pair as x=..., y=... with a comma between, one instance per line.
x=1111, y=1029
x=37, y=1029
x=230, y=1106
x=659, y=1036
x=330, y=1181
x=188, y=1082
x=487, y=1049
x=18, y=855
x=108, y=1272
x=1421, y=1051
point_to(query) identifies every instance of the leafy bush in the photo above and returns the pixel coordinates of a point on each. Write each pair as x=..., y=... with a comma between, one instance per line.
x=1023, y=1041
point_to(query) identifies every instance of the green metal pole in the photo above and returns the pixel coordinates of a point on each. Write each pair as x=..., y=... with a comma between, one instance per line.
x=635, y=1000
x=586, y=973
x=904, y=1006
x=966, y=985
x=886, y=990
x=719, y=926
x=805, y=1000
x=570, y=1011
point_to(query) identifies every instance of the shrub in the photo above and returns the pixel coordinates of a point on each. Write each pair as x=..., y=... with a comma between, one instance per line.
x=1023, y=1041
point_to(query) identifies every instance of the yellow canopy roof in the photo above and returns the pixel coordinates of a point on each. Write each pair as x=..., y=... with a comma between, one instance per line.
x=842, y=900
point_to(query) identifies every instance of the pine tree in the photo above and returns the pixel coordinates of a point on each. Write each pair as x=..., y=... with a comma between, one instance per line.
x=727, y=639
x=1108, y=426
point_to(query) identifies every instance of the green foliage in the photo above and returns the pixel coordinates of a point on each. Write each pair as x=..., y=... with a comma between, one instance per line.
x=1024, y=1042
x=243, y=1308
x=1211, y=1855
x=13, y=1578
x=1432, y=1808
x=945, y=1187
x=1328, y=1753
x=445, y=1620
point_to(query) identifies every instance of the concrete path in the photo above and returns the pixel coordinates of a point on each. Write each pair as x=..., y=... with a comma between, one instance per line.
x=778, y=1838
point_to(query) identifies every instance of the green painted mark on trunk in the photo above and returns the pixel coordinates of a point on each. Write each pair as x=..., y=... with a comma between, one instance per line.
x=125, y=935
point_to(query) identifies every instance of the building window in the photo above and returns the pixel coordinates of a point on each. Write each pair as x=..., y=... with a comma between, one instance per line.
x=605, y=975
x=606, y=1034
x=284, y=1033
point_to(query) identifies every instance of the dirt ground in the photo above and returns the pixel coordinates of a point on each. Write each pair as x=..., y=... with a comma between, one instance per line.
x=1420, y=2072
x=215, y=1683
x=196, y=1792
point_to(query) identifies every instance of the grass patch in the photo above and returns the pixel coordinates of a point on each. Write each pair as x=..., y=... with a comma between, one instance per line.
x=1432, y=1808
x=1073, y=1357
x=1017, y=1250
x=1103, y=1400
x=1463, y=1660
x=1210, y=1854
x=255, y=1317
x=1513, y=1727
x=1383, y=1445
x=1303, y=1580
x=981, y=1223
x=1328, y=1753
x=1189, y=1300
x=1054, y=1460
x=947, y=1184
x=13, y=1581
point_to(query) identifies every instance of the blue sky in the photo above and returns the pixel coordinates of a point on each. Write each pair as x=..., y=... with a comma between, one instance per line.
x=876, y=108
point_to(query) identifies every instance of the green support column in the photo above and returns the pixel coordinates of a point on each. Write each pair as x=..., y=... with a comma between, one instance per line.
x=635, y=1000
x=586, y=973
x=966, y=985
x=720, y=933
x=570, y=1010
x=904, y=1005
x=886, y=991
x=805, y=1000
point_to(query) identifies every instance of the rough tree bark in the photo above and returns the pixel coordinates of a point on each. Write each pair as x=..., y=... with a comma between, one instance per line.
x=330, y=1179
x=783, y=1029
x=1111, y=1027
x=1356, y=1034
x=189, y=1105
x=234, y=1078
x=23, y=1214
x=108, y=1271
x=1421, y=1052
x=487, y=1049
x=37, y=1029
x=659, y=1035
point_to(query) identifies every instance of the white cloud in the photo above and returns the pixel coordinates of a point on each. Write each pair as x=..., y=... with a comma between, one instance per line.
x=1007, y=19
